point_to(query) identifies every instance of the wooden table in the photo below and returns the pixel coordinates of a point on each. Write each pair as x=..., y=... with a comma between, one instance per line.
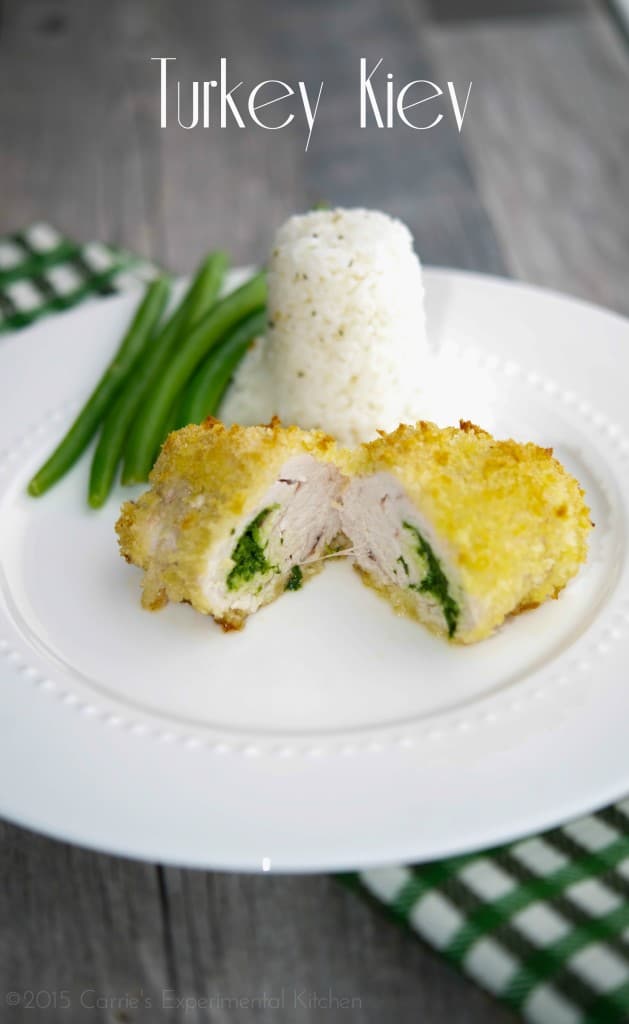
x=535, y=185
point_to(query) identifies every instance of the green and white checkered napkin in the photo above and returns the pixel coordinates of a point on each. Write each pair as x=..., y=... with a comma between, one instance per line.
x=41, y=272
x=543, y=924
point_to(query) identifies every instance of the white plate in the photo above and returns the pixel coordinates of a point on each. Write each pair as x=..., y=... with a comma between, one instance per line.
x=328, y=734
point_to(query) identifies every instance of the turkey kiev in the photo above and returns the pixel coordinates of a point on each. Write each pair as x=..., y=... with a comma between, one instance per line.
x=234, y=517
x=454, y=528
x=459, y=530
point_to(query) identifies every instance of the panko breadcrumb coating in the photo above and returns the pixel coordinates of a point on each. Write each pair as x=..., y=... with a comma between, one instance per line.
x=234, y=517
x=460, y=530
x=455, y=528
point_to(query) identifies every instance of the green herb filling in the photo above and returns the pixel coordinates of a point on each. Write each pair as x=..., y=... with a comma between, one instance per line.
x=435, y=582
x=249, y=554
x=295, y=578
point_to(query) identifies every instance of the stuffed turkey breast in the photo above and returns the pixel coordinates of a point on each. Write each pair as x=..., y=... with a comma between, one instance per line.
x=459, y=530
x=234, y=517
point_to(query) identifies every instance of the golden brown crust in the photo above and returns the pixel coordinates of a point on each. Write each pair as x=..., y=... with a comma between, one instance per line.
x=513, y=520
x=207, y=478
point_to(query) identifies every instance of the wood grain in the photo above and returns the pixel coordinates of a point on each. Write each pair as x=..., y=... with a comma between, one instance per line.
x=536, y=184
x=548, y=139
x=138, y=938
x=89, y=148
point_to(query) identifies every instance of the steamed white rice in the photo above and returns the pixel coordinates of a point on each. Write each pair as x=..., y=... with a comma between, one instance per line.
x=346, y=344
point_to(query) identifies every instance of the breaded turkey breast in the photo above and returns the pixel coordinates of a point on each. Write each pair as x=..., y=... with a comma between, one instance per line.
x=234, y=517
x=455, y=528
x=460, y=530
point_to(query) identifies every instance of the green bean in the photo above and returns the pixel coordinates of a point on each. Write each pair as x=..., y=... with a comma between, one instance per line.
x=203, y=394
x=85, y=425
x=174, y=416
x=199, y=298
x=107, y=455
x=202, y=293
x=172, y=422
x=148, y=429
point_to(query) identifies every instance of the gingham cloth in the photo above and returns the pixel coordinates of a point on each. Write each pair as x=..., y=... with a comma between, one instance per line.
x=41, y=272
x=543, y=924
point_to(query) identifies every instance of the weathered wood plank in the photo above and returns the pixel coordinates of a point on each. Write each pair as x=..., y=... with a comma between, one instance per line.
x=78, y=928
x=548, y=137
x=71, y=147
x=293, y=943
x=231, y=186
x=93, y=932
